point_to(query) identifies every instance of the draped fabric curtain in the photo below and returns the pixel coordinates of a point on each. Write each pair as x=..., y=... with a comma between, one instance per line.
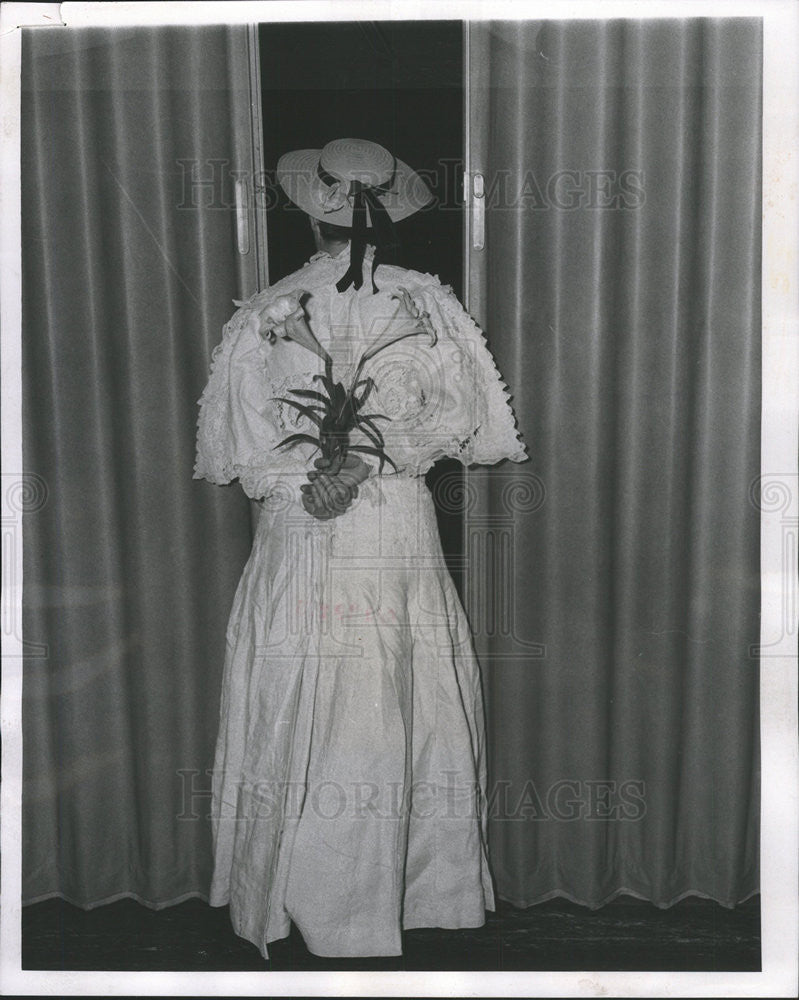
x=130, y=567
x=614, y=581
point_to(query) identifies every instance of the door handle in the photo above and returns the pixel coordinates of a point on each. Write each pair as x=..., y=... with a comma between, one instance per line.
x=242, y=217
x=478, y=212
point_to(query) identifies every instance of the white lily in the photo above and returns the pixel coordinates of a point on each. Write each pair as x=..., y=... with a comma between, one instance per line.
x=284, y=317
x=408, y=321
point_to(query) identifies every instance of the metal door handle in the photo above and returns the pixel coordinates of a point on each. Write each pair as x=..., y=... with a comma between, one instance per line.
x=242, y=217
x=478, y=212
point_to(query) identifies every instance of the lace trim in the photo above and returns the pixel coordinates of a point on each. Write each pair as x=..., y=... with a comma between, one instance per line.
x=214, y=448
x=212, y=432
x=493, y=434
x=501, y=438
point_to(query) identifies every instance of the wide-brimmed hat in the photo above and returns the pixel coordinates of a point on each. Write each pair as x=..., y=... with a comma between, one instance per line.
x=345, y=181
x=324, y=182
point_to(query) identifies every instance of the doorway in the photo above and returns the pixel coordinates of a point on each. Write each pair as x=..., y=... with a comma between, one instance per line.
x=400, y=84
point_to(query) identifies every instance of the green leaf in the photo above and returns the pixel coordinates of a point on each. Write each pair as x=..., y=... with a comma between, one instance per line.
x=327, y=382
x=306, y=411
x=366, y=450
x=369, y=385
x=374, y=436
x=366, y=421
x=310, y=394
x=373, y=416
x=293, y=439
x=339, y=396
x=346, y=419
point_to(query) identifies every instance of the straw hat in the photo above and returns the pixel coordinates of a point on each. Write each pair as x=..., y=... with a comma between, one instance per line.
x=324, y=182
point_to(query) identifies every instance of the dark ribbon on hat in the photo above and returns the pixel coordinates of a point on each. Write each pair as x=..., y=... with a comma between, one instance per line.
x=386, y=242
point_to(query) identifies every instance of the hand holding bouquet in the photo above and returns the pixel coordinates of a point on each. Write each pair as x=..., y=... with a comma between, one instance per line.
x=328, y=495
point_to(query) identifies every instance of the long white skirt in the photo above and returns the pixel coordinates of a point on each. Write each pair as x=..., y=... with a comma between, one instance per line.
x=349, y=779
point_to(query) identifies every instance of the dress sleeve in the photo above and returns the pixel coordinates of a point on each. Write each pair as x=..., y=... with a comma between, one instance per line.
x=448, y=401
x=237, y=429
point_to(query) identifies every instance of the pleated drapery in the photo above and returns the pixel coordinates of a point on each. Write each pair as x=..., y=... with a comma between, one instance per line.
x=130, y=566
x=620, y=288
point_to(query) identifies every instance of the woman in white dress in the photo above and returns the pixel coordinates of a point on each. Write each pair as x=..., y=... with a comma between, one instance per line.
x=349, y=780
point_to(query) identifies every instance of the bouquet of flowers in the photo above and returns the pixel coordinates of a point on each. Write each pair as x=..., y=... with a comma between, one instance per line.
x=338, y=410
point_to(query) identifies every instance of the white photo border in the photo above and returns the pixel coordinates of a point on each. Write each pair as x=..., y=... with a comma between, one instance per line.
x=779, y=689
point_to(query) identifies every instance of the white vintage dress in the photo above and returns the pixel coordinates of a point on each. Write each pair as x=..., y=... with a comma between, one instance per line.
x=349, y=779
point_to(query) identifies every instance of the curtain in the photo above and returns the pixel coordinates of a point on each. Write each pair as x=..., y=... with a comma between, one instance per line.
x=130, y=263
x=615, y=579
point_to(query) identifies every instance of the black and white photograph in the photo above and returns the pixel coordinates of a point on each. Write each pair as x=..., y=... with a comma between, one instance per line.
x=400, y=499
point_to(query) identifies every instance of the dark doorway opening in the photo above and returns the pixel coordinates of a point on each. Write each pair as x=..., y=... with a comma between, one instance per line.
x=398, y=83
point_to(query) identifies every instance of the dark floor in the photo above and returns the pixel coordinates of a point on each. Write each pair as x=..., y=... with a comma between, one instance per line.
x=626, y=934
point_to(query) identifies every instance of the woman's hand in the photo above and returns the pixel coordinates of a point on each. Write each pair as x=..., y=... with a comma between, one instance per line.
x=328, y=495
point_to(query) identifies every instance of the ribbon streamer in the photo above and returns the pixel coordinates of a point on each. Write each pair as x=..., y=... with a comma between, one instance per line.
x=386, y=242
